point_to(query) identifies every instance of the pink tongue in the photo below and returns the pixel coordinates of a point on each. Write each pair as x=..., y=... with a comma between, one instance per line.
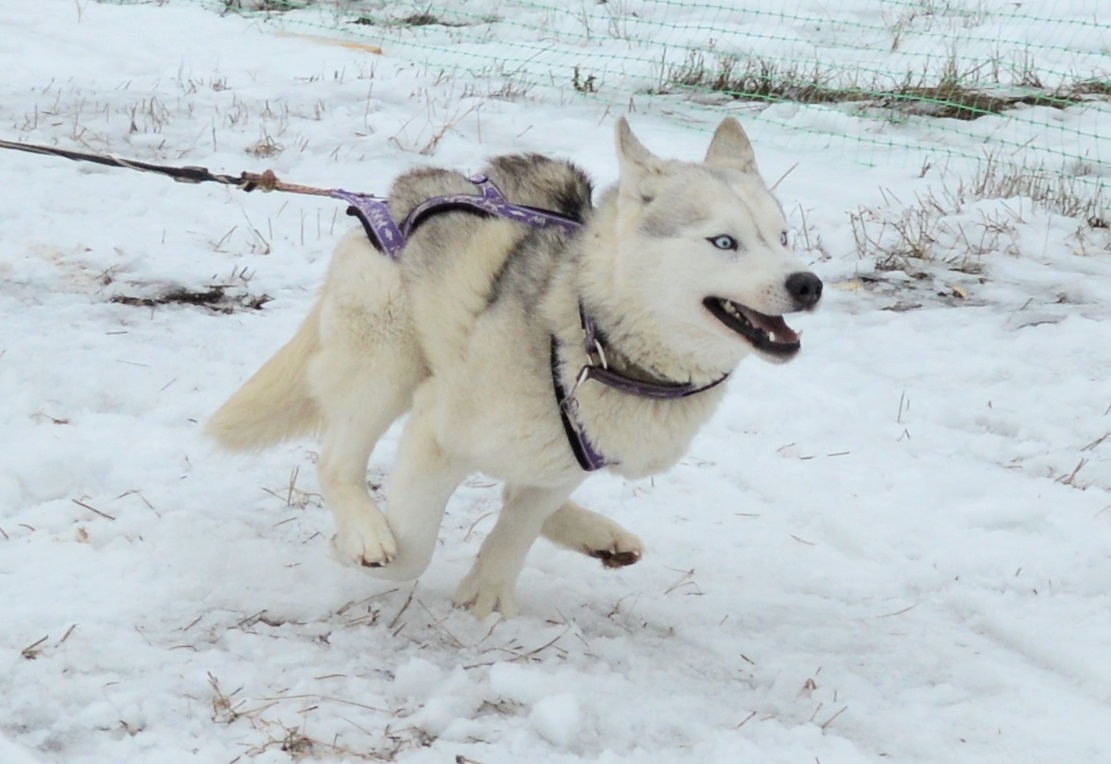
x=773, y=325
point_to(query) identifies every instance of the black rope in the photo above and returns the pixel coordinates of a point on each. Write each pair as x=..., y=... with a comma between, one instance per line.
x=190, y=174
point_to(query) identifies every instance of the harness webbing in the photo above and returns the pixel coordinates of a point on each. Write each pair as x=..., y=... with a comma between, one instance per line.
x=586, y=454
x=389, y=238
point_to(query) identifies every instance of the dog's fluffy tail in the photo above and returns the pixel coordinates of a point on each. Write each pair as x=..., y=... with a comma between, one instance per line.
x=273, y=405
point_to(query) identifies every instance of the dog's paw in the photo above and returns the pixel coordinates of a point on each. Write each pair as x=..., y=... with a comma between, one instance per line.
x=594, y=535
x=483, y=597
x=609, y=542
x=619, y=554
x=365, y=541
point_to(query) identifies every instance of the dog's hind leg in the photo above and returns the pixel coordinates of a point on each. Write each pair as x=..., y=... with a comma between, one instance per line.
x=581, y=530
x=491, y=584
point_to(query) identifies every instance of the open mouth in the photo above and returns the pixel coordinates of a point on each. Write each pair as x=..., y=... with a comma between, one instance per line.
x=768, y=334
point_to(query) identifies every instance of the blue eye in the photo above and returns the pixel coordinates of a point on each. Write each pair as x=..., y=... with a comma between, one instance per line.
x=783, y=238
x=723, y=242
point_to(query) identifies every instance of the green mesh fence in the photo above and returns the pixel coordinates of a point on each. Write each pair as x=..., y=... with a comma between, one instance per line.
x=1028, y=82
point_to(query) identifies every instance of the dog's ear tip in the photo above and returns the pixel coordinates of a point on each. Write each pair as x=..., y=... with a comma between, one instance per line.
x=732, y=127
x=730, y=147
x=629, y=148
x=622, y=131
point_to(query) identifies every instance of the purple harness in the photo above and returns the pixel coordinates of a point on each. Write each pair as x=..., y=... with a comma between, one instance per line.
x=389, y=238
x=598, y=369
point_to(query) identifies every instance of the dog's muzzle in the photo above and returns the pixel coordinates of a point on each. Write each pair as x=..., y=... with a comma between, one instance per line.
x=769, y=335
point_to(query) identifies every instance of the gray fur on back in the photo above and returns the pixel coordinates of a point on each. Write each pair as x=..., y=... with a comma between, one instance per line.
x=530, y=180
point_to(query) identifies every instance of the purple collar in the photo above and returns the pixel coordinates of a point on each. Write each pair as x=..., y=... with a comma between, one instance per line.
x=588, y=457
x=389, y=239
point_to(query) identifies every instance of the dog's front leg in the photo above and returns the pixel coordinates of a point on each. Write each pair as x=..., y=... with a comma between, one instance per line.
x=362, y=535
x=492, y=583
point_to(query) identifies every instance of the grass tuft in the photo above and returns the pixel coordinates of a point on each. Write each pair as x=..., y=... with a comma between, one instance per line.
x=956, y=93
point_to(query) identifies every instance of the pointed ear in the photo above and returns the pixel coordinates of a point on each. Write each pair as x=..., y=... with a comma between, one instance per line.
x=629, y=149
x=635, y=161
x=730, y=147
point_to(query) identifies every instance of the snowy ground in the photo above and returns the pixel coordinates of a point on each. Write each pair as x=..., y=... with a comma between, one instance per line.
x=897, y=548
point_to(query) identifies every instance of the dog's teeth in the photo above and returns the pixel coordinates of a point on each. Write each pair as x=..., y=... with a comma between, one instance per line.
x=731, y=309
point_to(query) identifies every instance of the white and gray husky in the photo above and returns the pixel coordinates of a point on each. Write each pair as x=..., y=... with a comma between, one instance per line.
x=533, y=354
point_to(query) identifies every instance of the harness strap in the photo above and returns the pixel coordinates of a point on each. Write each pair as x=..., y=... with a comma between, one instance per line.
x=379, y=225
x=585, y=454
x=599, y=370
x=491, y=203
x=389, y=238
x=659, y=391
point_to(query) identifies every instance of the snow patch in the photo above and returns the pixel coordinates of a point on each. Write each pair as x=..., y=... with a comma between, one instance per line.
x=558, y=719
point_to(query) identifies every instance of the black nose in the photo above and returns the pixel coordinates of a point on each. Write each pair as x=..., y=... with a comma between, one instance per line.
x=806, y=288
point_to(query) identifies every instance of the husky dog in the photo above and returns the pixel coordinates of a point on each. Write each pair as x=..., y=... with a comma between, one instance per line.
x=530, y=354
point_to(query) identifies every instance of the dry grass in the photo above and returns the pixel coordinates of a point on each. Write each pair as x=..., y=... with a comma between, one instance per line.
x=758, y=79
x=425, y=19
x=265, y=148
x=909, y=236
x=215, y=298
x=957, y=227
x=264, y=6
x=294, y=496
x=316, y=722
x=226, y=295
x=953, y=92
x=1071, y=194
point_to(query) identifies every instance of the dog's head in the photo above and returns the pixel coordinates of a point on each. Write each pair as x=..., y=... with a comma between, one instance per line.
x=706, y=246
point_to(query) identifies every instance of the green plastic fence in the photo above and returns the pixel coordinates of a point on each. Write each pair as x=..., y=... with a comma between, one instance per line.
x=1027, y=81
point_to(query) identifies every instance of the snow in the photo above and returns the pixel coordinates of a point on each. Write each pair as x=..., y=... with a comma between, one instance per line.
x=896, y=548
x=557, y=719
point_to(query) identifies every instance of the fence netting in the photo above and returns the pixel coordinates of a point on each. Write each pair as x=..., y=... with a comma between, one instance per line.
x=1022, y=82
